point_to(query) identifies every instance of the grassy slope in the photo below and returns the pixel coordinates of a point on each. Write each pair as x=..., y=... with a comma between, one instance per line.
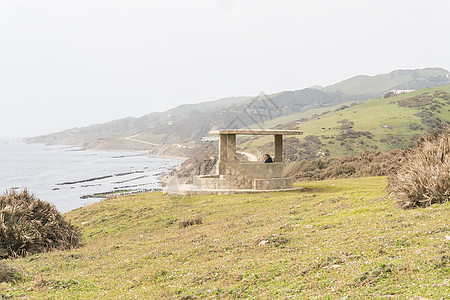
x=334, y=239
x=368, y=116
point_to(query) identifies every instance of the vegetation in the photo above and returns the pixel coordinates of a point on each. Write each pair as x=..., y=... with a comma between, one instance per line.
x=334, y=239
x=29, y=225
x=8, y=274
x=424, y=178
x=369, y=163
x=430, y=106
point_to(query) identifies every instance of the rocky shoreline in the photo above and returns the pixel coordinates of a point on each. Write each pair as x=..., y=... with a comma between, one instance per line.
x=105, y=195
x=163, y=151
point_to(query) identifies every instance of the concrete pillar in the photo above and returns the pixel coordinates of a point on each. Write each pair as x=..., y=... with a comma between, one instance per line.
x=223, y=138
x=231, y=148
x=278, y=139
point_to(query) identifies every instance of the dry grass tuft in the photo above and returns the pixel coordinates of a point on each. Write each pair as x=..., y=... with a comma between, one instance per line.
x=424, y=179
x=189, y=222
x=29, y=225
x=371, y=278
x=8, y=274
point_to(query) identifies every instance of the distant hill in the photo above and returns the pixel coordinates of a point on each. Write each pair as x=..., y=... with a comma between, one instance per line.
x=188, y=123
x=112, y=135
x=176, y=130
x=364, y=87
x=245, y=113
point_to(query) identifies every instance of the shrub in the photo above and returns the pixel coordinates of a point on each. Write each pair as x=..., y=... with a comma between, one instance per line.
x=368, y=163
x=424, y=179
x=8, y=274
x=189, y=222
x=29, y=225
x=415, y=126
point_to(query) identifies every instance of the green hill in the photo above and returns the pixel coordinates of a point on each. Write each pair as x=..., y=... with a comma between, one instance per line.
x=362, y=86
x=380, y=124
x=340, y=239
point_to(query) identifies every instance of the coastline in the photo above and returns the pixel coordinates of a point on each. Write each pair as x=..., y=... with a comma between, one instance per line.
x=154, y=152
x=69, y=176
x=147, y=151
x=157, y=151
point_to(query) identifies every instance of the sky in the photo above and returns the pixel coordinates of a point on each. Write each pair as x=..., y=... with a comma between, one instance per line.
x=66, y=64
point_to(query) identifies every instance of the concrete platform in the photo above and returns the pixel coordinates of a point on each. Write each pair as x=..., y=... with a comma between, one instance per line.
x=192, y=190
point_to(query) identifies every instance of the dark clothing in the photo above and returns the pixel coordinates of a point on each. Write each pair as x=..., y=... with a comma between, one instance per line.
x=268, y=161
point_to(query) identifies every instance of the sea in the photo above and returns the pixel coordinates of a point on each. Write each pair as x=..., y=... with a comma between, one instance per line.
x=71, y=177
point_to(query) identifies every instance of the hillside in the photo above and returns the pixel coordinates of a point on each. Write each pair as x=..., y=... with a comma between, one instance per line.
x=174, y=131
x=113, y=135
x=380, y=124
x=340, y=239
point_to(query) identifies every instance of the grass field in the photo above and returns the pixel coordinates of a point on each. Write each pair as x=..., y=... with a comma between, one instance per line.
x=337, y=239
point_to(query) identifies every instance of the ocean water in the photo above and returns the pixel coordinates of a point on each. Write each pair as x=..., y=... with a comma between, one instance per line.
x=68, y=177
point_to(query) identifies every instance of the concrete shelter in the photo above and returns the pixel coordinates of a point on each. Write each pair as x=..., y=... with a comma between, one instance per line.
x=234, y=176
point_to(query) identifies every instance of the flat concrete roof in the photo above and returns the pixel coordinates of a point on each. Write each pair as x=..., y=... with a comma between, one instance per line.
x=257, y=132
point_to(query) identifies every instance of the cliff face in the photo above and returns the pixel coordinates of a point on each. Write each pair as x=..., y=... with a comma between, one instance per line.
x=204, y=162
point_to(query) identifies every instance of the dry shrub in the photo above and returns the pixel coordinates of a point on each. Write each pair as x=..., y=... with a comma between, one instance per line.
x=8, y=274
x=29, y=225
x=368, y=163
x=424, y=179
x=371, y=278
x=189, y=222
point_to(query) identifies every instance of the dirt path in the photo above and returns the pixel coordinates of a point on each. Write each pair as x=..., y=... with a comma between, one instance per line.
x=250, y=156
x=132, y=138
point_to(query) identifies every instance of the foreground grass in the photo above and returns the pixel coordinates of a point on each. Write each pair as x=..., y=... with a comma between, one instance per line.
x=335, y=239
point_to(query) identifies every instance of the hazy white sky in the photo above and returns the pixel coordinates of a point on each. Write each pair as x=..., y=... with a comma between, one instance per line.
x=67, y=64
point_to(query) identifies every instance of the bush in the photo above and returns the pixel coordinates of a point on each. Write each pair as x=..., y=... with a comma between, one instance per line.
x=29, y=225
x=424, y=179
x=415, y=126
x=8, y=274
x=189, y=222
x=368, y=163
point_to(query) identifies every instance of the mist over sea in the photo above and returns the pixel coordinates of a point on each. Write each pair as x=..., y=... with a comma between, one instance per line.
x=62, y=175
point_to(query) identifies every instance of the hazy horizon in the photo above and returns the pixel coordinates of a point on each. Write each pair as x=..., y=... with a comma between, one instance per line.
x=73, y=64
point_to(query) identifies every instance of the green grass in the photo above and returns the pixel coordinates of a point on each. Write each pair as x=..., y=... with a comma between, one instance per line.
x=334, y=239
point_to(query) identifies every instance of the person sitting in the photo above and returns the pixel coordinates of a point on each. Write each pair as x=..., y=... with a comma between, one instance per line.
x=267, y=159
